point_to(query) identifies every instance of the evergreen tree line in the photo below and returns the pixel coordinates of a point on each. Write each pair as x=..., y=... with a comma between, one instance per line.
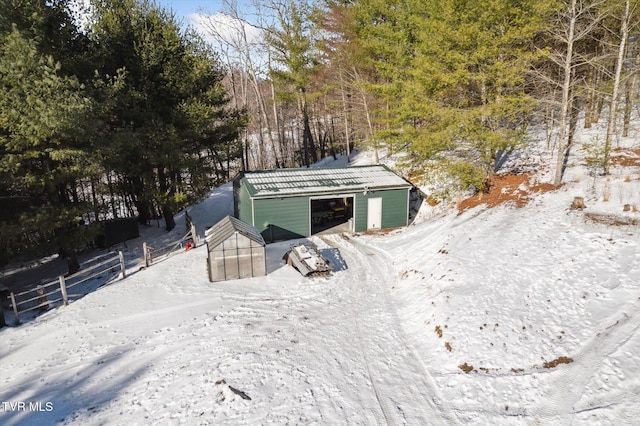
x=455, y=83
x=127, y=116
x=134, y=116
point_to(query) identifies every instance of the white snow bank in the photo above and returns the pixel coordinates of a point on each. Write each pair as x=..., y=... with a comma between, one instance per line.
x=386, y=339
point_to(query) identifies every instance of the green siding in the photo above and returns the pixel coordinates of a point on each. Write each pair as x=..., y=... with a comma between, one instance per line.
x=282, y=218
x=395, y=212
x=245, y=211
x=394, y=208
x=360, y=212
x=288, y=217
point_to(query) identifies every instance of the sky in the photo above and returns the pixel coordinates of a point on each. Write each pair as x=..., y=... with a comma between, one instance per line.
x=209, y=17
x=184, y=8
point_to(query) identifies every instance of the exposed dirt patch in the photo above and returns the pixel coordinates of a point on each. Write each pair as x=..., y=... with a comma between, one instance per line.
x=378, y=231
x=558, y=361
x=432, y=201
x=466, y=367
x=414, y=272
x=625, y=157
x=611, y=219
x=508, y=188
x=438, y=331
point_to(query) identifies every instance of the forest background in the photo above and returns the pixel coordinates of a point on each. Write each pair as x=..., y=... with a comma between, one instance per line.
x=113, y=108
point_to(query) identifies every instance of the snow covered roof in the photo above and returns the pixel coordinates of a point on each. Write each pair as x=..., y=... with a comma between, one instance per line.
x=228, y=226
x=289, y=182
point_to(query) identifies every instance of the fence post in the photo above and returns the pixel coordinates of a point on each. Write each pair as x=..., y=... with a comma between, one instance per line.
x=42, y=299
x=145, y=253
x=188, y=219
x=194, y=236
x=63, y=290
x=124, y=272
x=15, y=308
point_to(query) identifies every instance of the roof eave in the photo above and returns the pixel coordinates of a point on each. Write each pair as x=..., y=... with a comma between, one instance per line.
x=337, y=191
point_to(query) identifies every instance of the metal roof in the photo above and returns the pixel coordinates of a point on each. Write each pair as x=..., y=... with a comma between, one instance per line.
x=228, y=226
x=290, y=182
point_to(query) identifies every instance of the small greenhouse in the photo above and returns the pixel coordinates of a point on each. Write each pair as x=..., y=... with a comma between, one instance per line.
x=236, y=250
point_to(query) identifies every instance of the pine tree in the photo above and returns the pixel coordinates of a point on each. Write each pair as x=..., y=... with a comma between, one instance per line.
x=295, y=56
x=42, y=150
x=452, y=76
x=170, y=109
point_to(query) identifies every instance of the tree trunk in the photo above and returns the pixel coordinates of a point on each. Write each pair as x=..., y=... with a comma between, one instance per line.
x=246, y=154
x=308, y=137
x=279, y=127
x=345, y=108
x=630, y=91
x=308, y=146
x=167, y=193
x=167, y=214
x=613, y=110
x=144, y=210
x=94, y=198
x=549, y=118
x=590, y=99
x=365, y=105
x=143, y=206
x=262, y=106
x=73, y=265
x=563, y=142
x=602, y=82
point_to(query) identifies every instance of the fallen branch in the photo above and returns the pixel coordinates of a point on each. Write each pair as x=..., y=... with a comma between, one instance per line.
x=239, y=392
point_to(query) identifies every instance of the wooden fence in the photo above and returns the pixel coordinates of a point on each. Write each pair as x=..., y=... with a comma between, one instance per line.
x=155, y=254
x=94, y=274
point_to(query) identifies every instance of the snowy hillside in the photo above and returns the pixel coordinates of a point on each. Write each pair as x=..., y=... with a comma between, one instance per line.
x=497, y=315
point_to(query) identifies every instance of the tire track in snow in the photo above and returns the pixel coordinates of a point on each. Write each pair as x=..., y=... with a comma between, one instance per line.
x=404, y=389
x=389, y=415
x=567, y=388
x=310, y=337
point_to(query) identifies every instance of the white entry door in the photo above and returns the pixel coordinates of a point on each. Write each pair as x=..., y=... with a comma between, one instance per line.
x=374, y=213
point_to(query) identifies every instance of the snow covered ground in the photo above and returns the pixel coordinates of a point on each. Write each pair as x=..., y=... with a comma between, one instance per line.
x=501, y=316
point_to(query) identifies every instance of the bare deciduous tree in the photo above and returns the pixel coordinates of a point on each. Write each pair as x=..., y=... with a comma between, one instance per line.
x=574, y=23
x=244, y=49
x=613, y=108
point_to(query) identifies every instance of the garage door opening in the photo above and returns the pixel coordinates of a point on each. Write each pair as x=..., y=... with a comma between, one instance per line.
x=331, y=215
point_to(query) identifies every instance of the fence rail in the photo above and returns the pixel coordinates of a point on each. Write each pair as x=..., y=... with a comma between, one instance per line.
x=99, y=272
x=94, y=274
x=155, y=254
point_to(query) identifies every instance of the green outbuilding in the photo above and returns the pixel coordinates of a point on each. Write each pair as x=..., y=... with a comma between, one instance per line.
x=284, y=204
